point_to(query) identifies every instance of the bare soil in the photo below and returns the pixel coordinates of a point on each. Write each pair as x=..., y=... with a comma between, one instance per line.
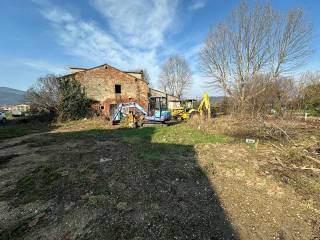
x=176, y=182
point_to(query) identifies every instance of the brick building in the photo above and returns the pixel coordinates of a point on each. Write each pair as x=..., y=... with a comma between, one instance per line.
x=108, y=86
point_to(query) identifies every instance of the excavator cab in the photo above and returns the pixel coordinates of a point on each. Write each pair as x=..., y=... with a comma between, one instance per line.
x=135, y=115
x=158, y=107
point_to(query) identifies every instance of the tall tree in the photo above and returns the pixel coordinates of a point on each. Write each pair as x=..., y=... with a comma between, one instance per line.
x=254, y=41
x=175, y=76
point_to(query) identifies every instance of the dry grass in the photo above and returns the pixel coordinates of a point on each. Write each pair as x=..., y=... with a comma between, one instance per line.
x=271, y=128
x=289, y=148
x=277, y=178
x=82, y=125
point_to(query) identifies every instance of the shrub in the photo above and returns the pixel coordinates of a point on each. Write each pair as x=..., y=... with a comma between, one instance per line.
x=59, y=99
x=73, y=104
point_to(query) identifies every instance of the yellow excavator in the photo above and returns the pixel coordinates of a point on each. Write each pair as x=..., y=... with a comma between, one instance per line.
x=204, y=109
x=205, y=106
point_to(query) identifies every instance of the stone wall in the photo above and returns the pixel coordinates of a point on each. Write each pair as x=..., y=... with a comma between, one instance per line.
x=99, y=84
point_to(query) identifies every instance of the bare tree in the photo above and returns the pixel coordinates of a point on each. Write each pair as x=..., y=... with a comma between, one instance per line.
x=253, y=42
x=175, y=76
x=310, y=78
x=45, y=94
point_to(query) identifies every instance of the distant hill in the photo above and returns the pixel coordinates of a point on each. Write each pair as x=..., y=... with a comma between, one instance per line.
x=11, y=96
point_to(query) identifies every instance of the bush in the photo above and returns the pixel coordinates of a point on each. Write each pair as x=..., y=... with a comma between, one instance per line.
x=73, y=104
x=58, y=99
x=314, y=105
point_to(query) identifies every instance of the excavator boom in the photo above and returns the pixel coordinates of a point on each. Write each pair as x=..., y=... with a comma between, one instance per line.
x=205, y=105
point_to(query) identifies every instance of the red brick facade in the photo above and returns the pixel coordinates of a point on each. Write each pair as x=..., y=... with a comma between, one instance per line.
x=100, y=85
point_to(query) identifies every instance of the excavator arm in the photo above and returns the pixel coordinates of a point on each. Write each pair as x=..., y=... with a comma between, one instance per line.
x=205, y=105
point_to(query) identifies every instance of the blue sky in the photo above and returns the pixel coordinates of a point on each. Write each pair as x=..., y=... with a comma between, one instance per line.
x=47, y=36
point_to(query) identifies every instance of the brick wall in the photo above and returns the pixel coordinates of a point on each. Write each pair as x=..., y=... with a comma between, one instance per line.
x=100, y=84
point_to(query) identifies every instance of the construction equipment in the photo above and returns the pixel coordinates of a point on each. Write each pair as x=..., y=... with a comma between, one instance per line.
x=187, y=112
x=137, y=116
x=182, y=109
x=205, y=106
x=158, y=106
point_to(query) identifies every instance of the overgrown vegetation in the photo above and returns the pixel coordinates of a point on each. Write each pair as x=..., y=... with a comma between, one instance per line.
x=309, y=93
x=73, y=103
x=59, y=99
x=289, y=148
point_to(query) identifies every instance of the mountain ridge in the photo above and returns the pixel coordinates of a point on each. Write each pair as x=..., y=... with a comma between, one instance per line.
x=12, y=96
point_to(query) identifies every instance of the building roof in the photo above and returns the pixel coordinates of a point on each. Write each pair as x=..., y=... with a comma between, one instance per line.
x=81, y=68
x=156, y=90
x=106, y=65
x=133, y=71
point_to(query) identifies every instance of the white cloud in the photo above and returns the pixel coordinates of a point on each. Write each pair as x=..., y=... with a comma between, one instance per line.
x=43, y=66
x=138, y=23
x=137, y=31
x=197, y=4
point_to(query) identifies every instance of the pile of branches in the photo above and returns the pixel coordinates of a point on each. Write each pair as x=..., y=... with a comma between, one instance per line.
x=245, y=126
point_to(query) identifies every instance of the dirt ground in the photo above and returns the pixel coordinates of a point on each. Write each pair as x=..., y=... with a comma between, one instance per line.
x=177, y=182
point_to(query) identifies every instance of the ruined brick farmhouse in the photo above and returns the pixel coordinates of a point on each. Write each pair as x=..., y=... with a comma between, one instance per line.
x=108, y=86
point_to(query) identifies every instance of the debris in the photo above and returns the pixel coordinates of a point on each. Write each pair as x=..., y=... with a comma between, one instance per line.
x=256, y=144
x=274, y=129
x=85, y=196
x=97, y=199
x=122, y=206
x=102, y=160
x=250, y=141
x=33, y=222
x=312, y=159
x=69, y=206
x=315, y=170
x=64, y=173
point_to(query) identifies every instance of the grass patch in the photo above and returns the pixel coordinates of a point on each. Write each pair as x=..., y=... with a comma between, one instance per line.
x=154, y=145
x=11, y=131
x=186, y=135
x=177, y=134
x=87, y=133
x=83, y=125
x=35, y=185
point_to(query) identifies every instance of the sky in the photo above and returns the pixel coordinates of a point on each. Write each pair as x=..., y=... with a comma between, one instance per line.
x=39, y=37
